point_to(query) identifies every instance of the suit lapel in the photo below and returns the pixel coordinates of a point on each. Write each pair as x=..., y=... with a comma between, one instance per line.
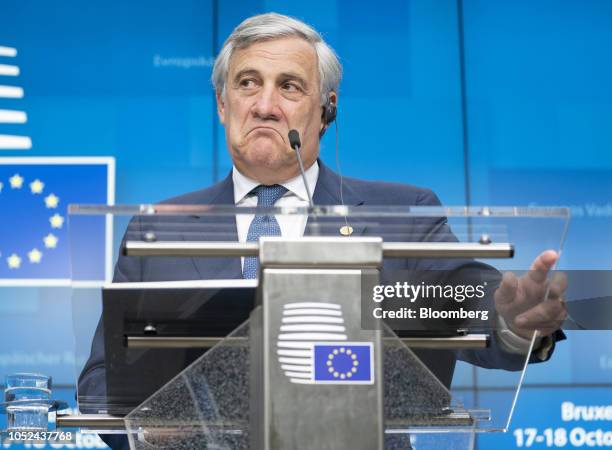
x=327, y=192
x=219, y=228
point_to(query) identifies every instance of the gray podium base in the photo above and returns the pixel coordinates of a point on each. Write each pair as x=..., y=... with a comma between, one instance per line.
x=207, y=405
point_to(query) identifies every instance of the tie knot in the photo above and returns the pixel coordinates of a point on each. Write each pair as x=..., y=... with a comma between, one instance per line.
x=268, y=195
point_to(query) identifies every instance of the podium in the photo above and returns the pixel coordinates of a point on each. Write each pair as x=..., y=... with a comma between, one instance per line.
x=328, y=355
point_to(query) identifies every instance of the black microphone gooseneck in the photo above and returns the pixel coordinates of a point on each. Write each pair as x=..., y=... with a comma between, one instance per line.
x=296, y=144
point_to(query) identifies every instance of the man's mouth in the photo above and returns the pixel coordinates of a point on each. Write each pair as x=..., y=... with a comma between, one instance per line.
x=266, y=129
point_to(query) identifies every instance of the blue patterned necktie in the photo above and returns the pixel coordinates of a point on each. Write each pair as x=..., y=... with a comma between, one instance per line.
x=262, y=225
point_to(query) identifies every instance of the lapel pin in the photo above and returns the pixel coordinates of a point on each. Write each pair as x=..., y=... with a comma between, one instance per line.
x=346, y=230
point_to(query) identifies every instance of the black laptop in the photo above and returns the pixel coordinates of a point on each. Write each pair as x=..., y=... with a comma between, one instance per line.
x=164, y=309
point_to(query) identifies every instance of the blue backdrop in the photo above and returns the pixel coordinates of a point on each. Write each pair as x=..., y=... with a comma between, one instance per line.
x=485, y=102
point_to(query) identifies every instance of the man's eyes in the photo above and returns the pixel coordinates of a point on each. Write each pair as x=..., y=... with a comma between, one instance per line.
x=247, y=83
x=291, y=87
x=287, y=86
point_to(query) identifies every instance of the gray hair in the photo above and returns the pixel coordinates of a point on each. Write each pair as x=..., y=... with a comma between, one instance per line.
x=265, y=27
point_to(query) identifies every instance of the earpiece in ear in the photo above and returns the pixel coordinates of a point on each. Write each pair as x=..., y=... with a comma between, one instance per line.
x=329, y=113
x=327, y=116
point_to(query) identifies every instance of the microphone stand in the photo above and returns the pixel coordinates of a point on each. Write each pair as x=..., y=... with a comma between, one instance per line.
x=294, y=141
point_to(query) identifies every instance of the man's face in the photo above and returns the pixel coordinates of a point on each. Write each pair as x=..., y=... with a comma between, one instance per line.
x=271, y=88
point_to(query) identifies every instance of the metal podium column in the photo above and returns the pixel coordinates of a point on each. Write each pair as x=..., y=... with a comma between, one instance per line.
x=316, y=376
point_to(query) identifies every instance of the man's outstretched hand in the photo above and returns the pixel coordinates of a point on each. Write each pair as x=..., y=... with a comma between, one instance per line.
x=532, y=302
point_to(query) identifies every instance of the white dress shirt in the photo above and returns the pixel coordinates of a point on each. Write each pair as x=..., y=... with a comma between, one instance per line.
x=291, y=225
x=294, y=225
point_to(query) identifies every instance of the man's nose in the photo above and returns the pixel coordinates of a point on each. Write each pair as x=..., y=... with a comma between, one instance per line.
x=267, y=105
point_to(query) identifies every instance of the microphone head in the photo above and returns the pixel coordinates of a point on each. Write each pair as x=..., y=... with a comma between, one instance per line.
x=294, y=139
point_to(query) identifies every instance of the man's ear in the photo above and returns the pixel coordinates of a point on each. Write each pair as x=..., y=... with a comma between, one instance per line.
x=333, y=98
x=220, y=107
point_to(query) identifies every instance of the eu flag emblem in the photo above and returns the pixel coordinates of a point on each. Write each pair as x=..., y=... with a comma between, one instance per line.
x=343, y=363
x=34, y=196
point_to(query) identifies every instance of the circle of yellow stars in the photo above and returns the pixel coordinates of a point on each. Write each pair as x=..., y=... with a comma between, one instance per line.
x=56, y=221
x=330, y=363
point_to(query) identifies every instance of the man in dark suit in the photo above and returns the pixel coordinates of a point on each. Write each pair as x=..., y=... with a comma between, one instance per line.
x=275, y=74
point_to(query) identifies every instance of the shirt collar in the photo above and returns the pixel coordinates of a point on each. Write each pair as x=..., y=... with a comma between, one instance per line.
x=243, y=184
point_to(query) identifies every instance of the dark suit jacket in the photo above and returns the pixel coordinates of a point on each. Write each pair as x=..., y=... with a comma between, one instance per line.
x=327, y=192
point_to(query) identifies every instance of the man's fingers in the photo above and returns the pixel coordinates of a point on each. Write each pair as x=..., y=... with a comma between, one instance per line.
x=532, y=292
x=535, y=284
x=538, y=292
x=506, y=292
x=532, y=285
x=545, y=317
x=558, y=285
x=541, y=265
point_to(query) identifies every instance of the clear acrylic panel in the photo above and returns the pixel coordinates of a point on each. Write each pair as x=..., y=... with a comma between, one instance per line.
x=205, y=406
x=162, y=285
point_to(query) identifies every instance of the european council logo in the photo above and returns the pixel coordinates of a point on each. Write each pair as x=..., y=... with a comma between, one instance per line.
x=11, y=116
x=313, y=347
x=34, y=239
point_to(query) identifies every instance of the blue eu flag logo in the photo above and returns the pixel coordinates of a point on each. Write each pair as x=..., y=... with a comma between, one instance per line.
x=343, y=363
x=34, y=198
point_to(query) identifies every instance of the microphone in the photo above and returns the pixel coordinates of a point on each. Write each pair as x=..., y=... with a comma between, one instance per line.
x=294, y=139
x=296, y=144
